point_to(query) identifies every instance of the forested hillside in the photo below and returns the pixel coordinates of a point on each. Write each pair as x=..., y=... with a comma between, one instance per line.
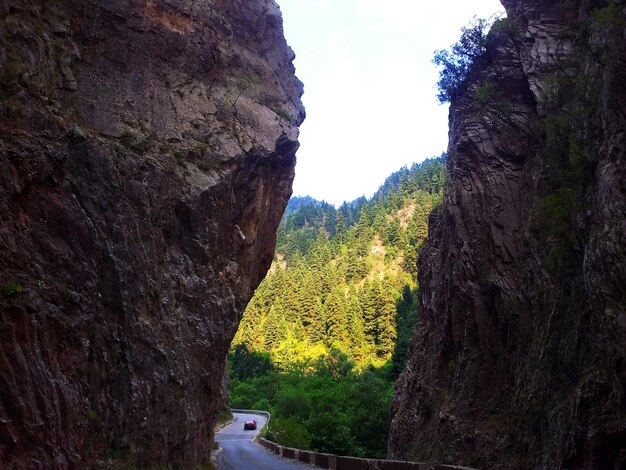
x=326, y=332
x=344, y=278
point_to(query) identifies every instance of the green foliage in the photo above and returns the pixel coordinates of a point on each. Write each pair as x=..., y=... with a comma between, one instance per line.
x=456, y=62
x=11, y=289
x=611, y=15
x=406, y=323
x=327, y=331
x=293, y=402
x=289, y=432
x=567, y=136
x=340, y=273
x=504, y=28
x=486, y=93
x=323, y=411
x=224, y=416
x=92, y=415
x=554, y=212
x=157, y=294
x=245, y=364
x=554, y=216
x=129, y=140
x=336, y=364
x=283, y=114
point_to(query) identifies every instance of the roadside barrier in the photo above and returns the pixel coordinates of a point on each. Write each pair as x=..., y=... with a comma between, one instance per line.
x=253, y=412
x=340, y=462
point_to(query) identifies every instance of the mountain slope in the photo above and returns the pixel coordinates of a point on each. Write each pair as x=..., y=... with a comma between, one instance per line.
x=343, y=278
x=326, y=332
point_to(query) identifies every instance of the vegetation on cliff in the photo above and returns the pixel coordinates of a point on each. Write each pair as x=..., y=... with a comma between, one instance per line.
x=456, y=62
x=519, y=358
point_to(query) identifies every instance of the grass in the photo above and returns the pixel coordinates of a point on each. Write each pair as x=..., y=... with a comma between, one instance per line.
x=11, y=289
x=180, y=157
x=92, y=415
x=157, y=294
x=283, y=114
x=129, y=140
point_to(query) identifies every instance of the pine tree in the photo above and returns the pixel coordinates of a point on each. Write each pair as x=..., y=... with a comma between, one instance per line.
x=409, y=262
x=356, y=328
x=356, y=266
x=393, y=233
x=297, y=330
x=369, y=307
x=308, y=301
x=380, y=220
x=335, y=310
x=316, y=330
x=386, y=329
x=274, y=328
x=321, y=253
x=340, y=233
x=364, y=224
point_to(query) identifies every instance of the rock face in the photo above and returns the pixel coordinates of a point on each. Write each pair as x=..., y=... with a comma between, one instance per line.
x=147, y=150
x=519, y=360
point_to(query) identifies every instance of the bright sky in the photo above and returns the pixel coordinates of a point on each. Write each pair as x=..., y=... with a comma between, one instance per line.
x=369, y=87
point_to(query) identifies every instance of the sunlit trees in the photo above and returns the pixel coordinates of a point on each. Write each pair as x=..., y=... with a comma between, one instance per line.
x=335, y=312
x=338, y=277
x=326, y=332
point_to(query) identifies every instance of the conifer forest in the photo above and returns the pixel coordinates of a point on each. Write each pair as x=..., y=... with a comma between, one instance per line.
x=326, y=333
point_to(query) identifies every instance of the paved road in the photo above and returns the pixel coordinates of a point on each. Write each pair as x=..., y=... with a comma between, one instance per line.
x=238, y=451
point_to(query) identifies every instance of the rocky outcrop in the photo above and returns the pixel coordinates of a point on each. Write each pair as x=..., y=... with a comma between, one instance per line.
x=520, y=358
x=147, y=151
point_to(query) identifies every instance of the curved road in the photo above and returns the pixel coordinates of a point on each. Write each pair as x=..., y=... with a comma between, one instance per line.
x=238, y=451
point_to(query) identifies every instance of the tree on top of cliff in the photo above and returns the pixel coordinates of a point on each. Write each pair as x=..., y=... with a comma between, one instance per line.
x=457, y=61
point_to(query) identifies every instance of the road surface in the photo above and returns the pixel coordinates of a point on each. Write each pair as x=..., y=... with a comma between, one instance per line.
x=238, y=451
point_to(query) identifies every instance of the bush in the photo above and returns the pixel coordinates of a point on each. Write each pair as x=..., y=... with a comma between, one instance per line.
x=336, y=364
x=289, y=432
x=457, y=61
x=247, y=364
x=293, y=402
x=11, y=289
x=331, y=434
x=247, y=394
x=263, y=404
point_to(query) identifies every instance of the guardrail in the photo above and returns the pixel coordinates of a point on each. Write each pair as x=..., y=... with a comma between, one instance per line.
x=254, y=412
x=340, y=462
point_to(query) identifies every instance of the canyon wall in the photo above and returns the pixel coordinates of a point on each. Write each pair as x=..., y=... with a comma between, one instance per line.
x=147, y=150
x=519, y=360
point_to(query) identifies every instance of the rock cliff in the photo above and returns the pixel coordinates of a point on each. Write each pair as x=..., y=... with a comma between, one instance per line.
x=147, y=150
x=519, y=360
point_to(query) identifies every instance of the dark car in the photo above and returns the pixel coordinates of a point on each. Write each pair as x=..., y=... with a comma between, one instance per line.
x=249, y=425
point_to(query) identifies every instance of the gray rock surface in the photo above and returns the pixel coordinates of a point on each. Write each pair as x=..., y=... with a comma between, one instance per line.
x=147, y=151
x=520, y=358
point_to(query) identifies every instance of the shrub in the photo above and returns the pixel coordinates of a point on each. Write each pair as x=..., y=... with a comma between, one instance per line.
x=129, y=140
x=457, y=61
x=293, y=402
x=289, y=432
x=11, y=289
x=246, y=364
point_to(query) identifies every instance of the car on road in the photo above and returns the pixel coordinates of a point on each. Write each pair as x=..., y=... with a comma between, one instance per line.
x=249, y=425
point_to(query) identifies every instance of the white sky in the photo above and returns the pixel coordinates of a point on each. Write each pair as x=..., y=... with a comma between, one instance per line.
x=369, y=87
